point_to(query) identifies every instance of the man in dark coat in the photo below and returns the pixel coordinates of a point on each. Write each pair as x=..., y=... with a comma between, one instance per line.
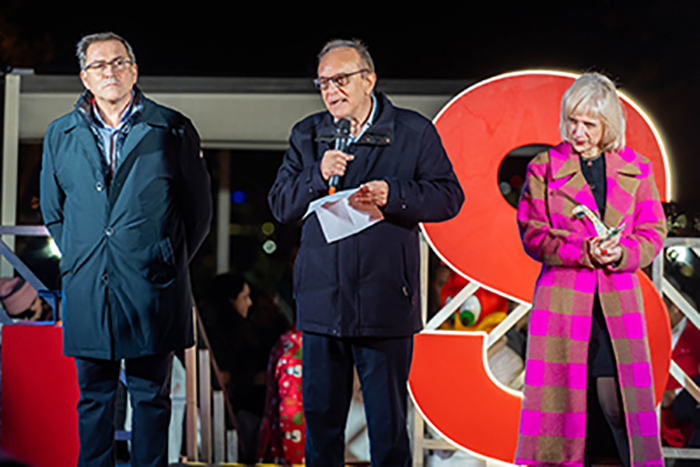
x=125, y=196
x=358, y=298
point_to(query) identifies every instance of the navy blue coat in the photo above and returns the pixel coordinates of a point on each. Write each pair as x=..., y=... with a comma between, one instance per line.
x=126, y=245
x=367, y=284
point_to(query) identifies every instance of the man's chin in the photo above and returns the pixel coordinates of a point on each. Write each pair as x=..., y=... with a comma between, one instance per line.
x=338, y=111
x=113, y=96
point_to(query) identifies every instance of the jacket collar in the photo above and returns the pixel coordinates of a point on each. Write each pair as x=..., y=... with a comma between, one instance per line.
x=381, y=133
x=144, y=111
x=142, y=119
x=565, y=162
x=621, y=167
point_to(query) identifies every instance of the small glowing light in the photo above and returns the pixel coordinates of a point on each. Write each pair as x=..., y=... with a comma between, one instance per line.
x=238, y=197
x=505, y=188
x=679, y=254
x=269, y=247
x=53, y=248
x=268, y=228
x=681, y=221
x=687, y=270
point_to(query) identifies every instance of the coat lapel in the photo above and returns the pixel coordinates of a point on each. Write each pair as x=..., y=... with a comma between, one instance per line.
x=144, y=123
x=91, y=151
x=568, y=178
x=129, y=157
x=136, y=134
x=622, y=182
x=380, y=134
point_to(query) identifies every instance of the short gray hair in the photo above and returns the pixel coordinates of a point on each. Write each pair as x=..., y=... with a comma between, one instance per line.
x=87, y=41
x=594, y=94
x=355, y=44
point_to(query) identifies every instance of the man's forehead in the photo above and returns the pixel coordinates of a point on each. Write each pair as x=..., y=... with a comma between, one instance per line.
x=106, y=48
x=339, y=60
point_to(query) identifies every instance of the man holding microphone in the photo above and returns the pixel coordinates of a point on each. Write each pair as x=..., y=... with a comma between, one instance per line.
x=358, y=298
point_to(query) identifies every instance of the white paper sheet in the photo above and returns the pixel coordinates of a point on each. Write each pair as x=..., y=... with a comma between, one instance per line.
x=339, y=219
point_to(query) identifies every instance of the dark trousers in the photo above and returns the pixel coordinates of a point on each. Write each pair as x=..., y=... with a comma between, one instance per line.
x=327, y=377
x=148, y=382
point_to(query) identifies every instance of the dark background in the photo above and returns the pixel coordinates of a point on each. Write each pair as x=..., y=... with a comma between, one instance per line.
x=649, y=47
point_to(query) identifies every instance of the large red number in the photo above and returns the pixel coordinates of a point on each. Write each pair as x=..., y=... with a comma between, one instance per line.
x=478, y=128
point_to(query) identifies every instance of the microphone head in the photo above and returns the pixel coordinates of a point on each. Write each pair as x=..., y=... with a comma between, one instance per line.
x=343, y=126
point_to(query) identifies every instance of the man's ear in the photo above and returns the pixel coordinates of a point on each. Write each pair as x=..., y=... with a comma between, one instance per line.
x=83, y=78
x=371, y=80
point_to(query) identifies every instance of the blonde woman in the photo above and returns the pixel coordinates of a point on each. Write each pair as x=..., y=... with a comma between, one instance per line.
x=587, y=330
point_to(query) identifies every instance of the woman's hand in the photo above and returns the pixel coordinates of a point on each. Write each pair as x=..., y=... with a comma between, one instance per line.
x=605, y=252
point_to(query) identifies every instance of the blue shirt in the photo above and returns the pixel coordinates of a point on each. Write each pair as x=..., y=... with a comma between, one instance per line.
x=111, y=143
x=368, y=123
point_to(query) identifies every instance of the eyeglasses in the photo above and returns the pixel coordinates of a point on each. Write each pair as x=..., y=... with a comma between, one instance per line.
x=340, y=80
x=118, y=64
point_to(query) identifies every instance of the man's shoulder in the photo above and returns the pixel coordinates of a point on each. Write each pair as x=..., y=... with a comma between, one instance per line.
x=310, y=123
x=408, y=118
x=64, y=122
x=156, y=113
x=412, y=119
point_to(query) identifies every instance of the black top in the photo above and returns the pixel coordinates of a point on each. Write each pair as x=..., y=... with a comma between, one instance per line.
x=594, y=172
x=601, y=357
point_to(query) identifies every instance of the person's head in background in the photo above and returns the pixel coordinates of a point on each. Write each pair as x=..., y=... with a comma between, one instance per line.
x=21, y=301
x=231, y=289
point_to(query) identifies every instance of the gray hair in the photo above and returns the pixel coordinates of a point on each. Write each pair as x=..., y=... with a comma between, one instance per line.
x=355, y=44
x=594, y=94
x=87, y=41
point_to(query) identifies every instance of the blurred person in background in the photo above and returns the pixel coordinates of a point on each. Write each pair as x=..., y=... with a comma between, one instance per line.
x=685, y=342
x=241, y=347
x=20, y=300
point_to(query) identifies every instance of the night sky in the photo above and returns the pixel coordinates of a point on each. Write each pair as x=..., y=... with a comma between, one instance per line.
x=650, y=48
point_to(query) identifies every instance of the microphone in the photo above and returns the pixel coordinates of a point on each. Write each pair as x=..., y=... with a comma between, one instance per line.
x=342, y=141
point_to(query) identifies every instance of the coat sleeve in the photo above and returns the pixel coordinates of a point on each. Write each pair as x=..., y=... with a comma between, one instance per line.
x=640, y=247
x=434, y=194
x=52, y=195
x=298, y=180
x=543, y=242
x=195, y=189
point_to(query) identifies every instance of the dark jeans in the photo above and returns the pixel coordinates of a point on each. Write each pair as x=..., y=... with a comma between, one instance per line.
x=327, y=376
x=148, y=381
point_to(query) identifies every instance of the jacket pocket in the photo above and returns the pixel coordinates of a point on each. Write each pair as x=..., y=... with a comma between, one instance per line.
x=162, y=270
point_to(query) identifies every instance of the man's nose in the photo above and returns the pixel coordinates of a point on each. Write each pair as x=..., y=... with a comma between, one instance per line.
x=109, y=69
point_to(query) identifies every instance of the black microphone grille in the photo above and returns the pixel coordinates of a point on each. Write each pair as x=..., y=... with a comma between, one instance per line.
x=344, y=126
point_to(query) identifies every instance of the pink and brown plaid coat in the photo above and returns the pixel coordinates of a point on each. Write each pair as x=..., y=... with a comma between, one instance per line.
x=553, y=418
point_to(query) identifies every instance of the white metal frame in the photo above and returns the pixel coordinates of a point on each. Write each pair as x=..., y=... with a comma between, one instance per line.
x=421, y=443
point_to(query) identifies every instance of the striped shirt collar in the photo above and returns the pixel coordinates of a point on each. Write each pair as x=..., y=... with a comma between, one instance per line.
x=97, y=118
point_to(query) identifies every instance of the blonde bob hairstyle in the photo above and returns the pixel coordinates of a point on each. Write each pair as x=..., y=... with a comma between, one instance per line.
x=594, y=95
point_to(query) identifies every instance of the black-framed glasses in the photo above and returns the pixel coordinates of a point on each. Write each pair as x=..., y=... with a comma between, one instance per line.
x=340, y=80
x=118, y=64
